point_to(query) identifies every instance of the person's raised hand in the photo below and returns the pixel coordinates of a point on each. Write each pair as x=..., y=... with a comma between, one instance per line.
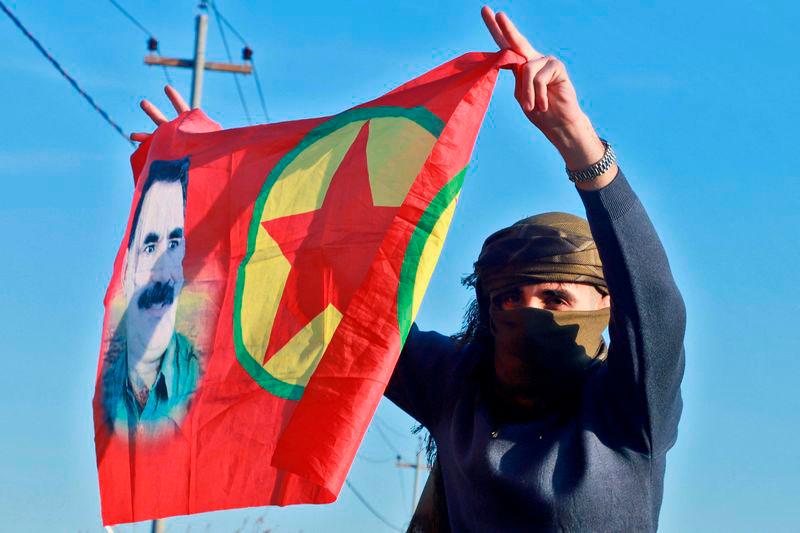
x=543, y=88
x=547, y=97
x=155, y=114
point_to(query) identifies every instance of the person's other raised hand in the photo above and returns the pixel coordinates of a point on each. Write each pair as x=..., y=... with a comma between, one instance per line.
x=155, y=114
x=543, y=88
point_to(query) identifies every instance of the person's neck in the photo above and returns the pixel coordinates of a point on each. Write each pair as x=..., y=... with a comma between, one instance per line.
x=513, y=374
x=521, y=391
x=514, y=387
x=144, y=363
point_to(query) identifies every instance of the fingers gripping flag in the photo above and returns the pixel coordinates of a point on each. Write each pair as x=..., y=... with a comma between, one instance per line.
x=264, y=288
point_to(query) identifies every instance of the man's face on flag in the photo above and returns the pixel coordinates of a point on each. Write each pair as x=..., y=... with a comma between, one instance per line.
x=154, y=269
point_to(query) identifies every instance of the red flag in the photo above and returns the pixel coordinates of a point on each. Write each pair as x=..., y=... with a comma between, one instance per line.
x=263, y=290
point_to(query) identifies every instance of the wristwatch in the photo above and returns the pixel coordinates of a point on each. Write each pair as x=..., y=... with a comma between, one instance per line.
x=590, y=173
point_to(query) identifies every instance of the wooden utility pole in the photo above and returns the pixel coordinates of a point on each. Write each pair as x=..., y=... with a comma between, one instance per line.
x=200, y=31
x=198, y=64
x=418, y=467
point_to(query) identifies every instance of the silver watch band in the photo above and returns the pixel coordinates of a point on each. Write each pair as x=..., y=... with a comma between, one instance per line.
x=590, y=173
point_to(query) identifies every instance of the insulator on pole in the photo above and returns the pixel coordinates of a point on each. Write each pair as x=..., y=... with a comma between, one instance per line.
x=152, y=44
x=247, y=53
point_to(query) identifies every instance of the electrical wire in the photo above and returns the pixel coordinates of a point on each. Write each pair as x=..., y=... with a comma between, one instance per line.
x=386, y=440
x=391, y=429
x=369, y=459
x=402, y=478
x=164, y=67
x=370, y=508
x=218, y=17
x=260, y=93
x=131, y=18
x=147, y=32
x=222, y=20
x=228, y=24
x=64, y=73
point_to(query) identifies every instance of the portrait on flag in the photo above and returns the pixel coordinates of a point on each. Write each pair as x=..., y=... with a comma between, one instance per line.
x=151, y=369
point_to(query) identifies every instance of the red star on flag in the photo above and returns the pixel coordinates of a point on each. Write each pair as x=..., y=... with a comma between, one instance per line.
x=331, y=249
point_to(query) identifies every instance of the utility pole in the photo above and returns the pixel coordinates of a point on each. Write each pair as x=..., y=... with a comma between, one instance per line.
x=200, y=31
x=419, y=466
x=198, y=64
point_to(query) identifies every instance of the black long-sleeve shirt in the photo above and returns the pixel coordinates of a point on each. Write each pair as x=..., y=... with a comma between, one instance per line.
x=601, y=468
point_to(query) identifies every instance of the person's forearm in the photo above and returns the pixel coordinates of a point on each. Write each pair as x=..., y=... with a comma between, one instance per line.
x=581, y=147
x=645, y=360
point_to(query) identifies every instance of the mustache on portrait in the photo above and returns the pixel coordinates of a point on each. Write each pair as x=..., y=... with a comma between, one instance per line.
x=156, y=294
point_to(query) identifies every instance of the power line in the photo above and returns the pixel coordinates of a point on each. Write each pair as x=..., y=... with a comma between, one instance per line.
x=131, y=18
x=402, y=487
x=247, y=52
x=228, y=24
x=260, y=93
x=386, y=440
x=154, y=47
x=164, y=68
x=391, y=429
x=63, y=72
x=369, y=459
x=370, y=508
x=230, y=59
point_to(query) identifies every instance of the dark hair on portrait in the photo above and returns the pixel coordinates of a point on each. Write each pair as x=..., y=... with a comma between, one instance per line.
x=163, y=171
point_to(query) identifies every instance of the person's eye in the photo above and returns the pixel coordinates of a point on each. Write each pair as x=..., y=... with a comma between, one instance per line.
x=557, y=301
x=511, y=297
x=149, y=248
x=174, y=243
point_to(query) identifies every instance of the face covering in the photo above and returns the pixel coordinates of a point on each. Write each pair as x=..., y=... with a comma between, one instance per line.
x=540, y=356
x=554, y=347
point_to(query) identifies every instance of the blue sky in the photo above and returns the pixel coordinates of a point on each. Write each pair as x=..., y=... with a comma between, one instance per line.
x=699, y=100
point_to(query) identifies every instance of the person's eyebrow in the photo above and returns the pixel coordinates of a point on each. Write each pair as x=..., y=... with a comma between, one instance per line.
x=151, y=237
x=177, y=233
x=564, y=295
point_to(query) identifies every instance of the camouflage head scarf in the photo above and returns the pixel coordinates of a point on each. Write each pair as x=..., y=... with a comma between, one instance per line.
x=547, y=247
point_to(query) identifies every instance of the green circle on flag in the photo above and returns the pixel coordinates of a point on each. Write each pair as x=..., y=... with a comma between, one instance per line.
x=399, y=142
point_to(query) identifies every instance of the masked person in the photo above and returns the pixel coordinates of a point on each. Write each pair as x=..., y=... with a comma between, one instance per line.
x=538, y=425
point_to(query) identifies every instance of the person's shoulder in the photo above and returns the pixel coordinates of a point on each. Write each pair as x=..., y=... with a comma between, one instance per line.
x=430, y=339
x=458, y=357
x=115, y=363
x=475, y=360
